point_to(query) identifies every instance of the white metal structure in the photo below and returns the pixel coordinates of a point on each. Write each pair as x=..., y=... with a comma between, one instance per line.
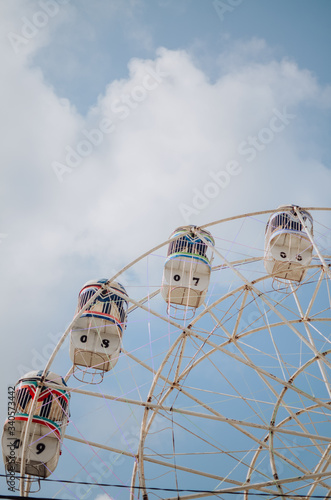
x=235, y=401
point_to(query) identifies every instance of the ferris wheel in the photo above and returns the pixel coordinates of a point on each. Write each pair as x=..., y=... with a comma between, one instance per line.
x=201, y=369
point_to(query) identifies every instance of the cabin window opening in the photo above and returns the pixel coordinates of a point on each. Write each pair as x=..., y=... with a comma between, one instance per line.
x=63, y=404
x=284, y=221
x=23, y=397
x=280, y=221
x=190, y=247
x=121, y=306
x=106, y=308
x=59, y=409
x=296, y=225
x=177, y=246
x=180, y=245
x=85, y=297
x=185, y=246
x=201, y=249
x=46, y=404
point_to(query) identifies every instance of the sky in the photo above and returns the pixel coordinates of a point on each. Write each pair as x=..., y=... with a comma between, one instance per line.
x=122, y=120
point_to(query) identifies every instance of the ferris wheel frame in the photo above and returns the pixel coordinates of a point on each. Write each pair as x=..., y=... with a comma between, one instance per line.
x=152, y=409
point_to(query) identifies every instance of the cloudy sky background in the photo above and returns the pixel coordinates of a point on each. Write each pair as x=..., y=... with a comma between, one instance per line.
x=118, y=115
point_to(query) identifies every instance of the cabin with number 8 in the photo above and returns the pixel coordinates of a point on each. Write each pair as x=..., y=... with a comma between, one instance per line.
x=95, y=339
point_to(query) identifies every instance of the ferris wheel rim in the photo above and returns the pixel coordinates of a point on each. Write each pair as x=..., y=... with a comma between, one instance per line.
x=191, y=324
x=260, y=212
x=139, y=304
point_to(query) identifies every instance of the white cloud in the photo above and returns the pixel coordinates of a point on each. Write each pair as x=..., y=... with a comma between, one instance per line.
x=27, y=26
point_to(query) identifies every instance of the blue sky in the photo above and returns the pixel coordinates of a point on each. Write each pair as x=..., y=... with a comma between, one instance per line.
x=122, y=120
x=103, y=44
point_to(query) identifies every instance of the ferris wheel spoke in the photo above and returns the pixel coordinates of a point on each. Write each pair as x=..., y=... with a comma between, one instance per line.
x=199, y=472
x=313, y=297
x=248, y=330
x=207, y=356
x=212, y=443
x=93, y=444
x=310, y=337
x=262, y=297
x=240, y=313
x=234, y=422
x=293, y=415
x=326, y=341
x=295, y=330
x=213, y=305
x=289, y=385
x=238, y=425
x=181, y=412
x=143, y=301
x=281, y=362
x=317, y=446
x=140, y=304
x=141, y=363
x=321, y=467
x=276, y=452
x=192, y=471
x=143, y=431
x=257, y=486
x=196, y=472
x=238, y=262
x=320, y=363
x=247, y=358
x=310, y=236
x=296, y=465
x=235, y=341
